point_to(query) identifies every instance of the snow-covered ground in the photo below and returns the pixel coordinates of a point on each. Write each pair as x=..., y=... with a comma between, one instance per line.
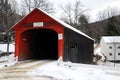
x=67, y=70
x=76, y=72
x=73, y=71
x=7, y=61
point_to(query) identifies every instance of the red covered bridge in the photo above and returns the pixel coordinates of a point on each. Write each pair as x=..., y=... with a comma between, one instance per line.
x=41, y=36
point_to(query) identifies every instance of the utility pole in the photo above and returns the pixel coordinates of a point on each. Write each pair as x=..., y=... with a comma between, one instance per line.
x=114, y=51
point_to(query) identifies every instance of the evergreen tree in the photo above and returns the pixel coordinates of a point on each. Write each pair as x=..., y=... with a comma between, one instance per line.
x=112, y=25
x=8, y=17
x=5, y=15
x=84, y=25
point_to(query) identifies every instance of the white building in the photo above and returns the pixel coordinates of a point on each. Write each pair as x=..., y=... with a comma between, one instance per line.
x=110, y=46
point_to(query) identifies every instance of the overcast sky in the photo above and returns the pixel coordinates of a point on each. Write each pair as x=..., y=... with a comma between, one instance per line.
x=94, y=6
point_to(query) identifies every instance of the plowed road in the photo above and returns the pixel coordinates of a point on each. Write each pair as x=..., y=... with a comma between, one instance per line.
x=19, y=71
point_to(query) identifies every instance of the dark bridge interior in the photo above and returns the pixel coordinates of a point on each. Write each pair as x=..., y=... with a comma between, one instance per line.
x=39, y=44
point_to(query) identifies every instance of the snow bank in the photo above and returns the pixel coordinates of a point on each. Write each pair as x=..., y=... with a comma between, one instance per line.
x=53, y=71
x=6, y=61
x=75, y=72
x=97, y=51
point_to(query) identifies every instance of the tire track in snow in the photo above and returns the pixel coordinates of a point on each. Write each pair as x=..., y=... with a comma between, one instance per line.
x=19, y=71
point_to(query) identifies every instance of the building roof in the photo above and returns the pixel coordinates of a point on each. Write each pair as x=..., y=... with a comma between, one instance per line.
x=59, y=21
x=111, y=39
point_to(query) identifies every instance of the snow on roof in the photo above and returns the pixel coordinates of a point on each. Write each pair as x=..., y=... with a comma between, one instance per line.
x=66, y=25
x=62, y=23
x=111, y=39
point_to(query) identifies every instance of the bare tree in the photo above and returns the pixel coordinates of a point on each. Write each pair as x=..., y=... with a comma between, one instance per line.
x=44, y=5
x=72, y=12
x=78, y=11
x=107, y=13
x=68, y=13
